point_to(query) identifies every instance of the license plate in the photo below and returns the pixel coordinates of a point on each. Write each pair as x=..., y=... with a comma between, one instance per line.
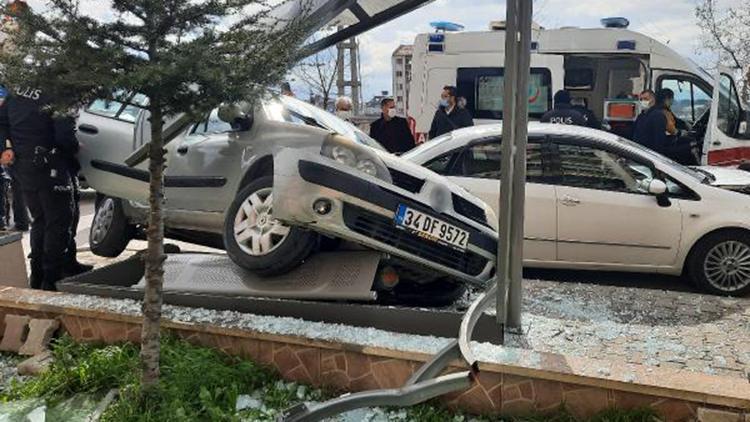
x=431, y=228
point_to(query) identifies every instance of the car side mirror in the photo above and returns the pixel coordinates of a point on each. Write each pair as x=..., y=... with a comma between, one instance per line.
x=657, y=187
x=239, y=115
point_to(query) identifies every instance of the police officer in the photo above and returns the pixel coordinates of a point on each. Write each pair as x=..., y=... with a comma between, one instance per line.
x=579, y=105
x=563, y=113
x=40, y=141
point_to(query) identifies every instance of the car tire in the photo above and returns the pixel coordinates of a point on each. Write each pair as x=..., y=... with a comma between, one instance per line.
x=720, y=263
x=110, y=231
x=256, y=241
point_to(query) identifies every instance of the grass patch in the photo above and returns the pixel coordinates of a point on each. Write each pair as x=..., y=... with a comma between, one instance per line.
x=203, y=384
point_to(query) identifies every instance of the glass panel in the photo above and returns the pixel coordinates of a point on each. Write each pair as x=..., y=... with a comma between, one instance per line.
x=729, y=107
x=683, y=98
x=105, y=108
x=216, y=125
x=589, y=168
x=482, y=161
x=701, y=101
x=440, y=165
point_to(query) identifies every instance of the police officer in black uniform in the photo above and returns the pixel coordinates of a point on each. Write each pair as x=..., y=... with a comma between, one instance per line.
x=41, y=140
x=563, y=113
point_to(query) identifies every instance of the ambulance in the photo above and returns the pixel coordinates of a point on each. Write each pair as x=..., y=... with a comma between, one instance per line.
x=604, y=68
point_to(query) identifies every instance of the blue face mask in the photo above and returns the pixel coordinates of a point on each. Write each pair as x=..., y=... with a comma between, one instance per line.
x=3, y=93
x=444, y=102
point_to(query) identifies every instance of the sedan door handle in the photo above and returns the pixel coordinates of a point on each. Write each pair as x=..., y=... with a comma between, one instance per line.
x=88, y=129
x=569, y=201
x=182, y=149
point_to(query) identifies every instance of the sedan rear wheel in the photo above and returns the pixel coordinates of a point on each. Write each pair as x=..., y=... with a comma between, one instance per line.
x=721, y=263
x=255, y=240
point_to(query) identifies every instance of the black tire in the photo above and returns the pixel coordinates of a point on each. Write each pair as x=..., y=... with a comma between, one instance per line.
x=286, y=255
x=110, y=234
x=697, y=262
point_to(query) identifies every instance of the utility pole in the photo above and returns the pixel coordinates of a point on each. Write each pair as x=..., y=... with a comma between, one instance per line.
x=513, y=171
x=349, y=47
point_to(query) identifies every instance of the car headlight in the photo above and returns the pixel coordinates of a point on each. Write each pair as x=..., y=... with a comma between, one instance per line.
x=354, y=155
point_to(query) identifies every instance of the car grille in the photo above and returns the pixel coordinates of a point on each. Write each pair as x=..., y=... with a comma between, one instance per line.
x=384, y=230
x=406, y=181
x=469, y=210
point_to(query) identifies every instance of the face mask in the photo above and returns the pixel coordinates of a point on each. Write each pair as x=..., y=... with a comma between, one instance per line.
x=444, y=102
x=645, y=104
x=344, y=114
x=391, y=112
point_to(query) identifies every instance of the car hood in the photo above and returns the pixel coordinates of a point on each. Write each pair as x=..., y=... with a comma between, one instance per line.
x=405, y=166
x=726, y=177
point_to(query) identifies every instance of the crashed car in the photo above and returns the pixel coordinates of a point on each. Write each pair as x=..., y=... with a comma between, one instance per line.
x=595, y=201
x=270, y=185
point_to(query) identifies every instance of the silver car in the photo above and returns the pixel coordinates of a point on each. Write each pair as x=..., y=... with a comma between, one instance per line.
x=270, y=185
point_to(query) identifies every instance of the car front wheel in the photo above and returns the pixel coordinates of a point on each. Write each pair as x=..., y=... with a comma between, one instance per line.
x=256, y=241
x=720, y=263
x=110, y=231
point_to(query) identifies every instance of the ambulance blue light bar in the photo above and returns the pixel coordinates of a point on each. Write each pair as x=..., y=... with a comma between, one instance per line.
x=617, y=22
x=447, y=26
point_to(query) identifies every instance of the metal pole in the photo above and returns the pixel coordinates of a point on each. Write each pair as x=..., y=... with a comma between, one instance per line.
x=506, y=167
x=520, y=135
x=513, y=170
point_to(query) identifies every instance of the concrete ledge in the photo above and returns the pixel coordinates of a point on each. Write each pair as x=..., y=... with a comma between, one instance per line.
x=517, y=382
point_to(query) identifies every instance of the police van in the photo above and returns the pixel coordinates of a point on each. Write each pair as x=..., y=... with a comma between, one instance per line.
x=604, y=68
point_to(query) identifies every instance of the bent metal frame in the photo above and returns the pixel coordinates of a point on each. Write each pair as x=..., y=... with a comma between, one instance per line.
x=505, y=288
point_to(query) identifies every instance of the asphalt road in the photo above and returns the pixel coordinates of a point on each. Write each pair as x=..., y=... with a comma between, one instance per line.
x=632, y=280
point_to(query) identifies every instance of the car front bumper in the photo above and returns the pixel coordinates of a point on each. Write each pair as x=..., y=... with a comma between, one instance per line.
x=363, y=210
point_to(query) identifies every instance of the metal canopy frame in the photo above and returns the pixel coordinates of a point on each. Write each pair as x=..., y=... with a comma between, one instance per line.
x=366, y=22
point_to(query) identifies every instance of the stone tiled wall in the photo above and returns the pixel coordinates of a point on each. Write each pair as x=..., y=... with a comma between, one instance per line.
x=347, y=368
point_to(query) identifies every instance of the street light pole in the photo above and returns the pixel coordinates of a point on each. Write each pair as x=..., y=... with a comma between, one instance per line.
x=513, y=171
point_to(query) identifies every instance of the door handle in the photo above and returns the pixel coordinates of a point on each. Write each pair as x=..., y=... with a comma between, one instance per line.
x=91, y=130
x=182, y=149
x=717, y=142
x=569, y=201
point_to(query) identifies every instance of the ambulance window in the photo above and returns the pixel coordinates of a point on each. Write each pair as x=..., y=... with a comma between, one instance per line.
x=729, y=106
x=690, y=100
x=483, y=89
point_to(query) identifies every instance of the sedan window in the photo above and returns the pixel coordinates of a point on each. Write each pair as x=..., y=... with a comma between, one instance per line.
x=591, y=168
x=483, y=161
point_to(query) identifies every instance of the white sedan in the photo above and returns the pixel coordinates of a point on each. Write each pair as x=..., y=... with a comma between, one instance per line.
x=595, y=201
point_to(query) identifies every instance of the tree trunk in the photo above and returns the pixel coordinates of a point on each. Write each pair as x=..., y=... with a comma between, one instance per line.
x=154, y=261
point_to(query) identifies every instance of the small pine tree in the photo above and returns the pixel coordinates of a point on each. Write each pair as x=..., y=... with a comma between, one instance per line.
x=185, y=56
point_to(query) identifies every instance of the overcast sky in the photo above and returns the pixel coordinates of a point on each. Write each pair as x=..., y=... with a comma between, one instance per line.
x=672, y=22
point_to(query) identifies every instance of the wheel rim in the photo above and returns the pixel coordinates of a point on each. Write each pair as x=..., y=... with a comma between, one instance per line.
x=727, y=266
x=256, y=232
x=105, y=215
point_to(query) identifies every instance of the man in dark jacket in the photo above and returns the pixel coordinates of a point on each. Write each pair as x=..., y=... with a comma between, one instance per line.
x=391, y=131
x=40, y=142
x=449, y=115
x=579, y=105
x=651, y=128
x=563, y=113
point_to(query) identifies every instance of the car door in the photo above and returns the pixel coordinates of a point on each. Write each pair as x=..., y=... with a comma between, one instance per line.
x=478, y=170
x=727, y=141
x=201, y=163
x=605, y=215
x=106, y=133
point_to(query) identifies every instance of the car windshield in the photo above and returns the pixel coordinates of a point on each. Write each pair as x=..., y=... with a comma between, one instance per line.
x=288, y=109
x=697, y=175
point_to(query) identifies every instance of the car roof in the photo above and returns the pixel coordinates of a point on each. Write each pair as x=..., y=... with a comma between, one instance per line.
x=463, y=136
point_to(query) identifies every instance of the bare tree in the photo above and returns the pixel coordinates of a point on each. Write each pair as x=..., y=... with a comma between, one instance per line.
x=726, y=29
x=319, y=73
